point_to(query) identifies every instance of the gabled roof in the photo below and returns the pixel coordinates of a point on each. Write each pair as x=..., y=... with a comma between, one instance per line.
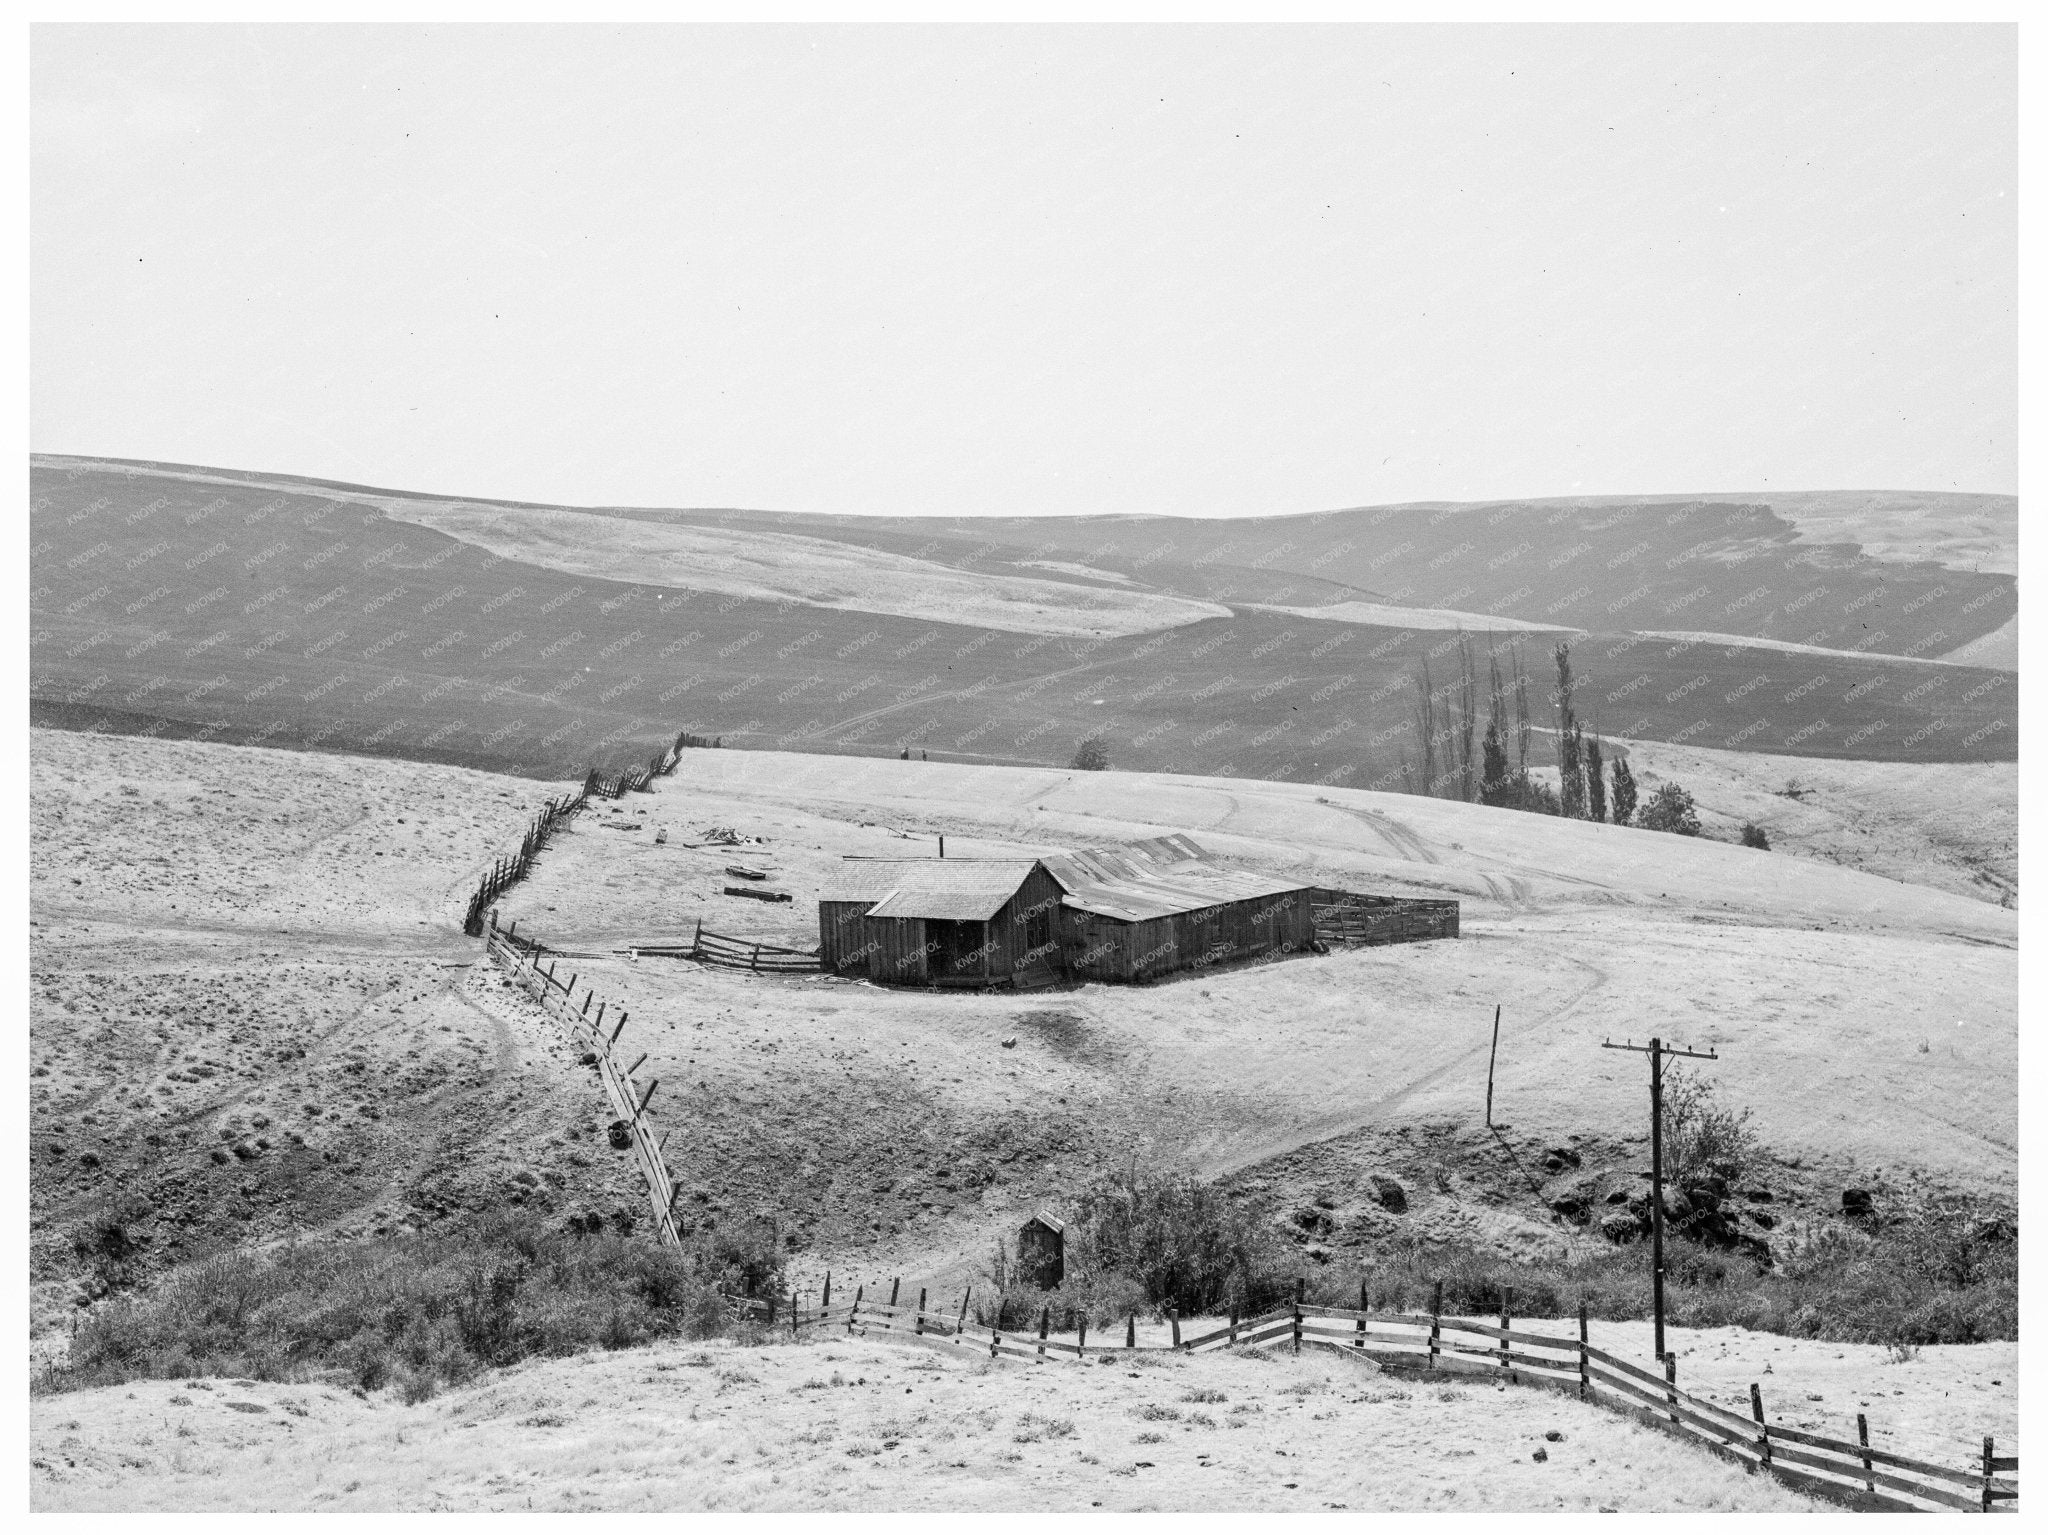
x=942, y=889
x=1159, y=877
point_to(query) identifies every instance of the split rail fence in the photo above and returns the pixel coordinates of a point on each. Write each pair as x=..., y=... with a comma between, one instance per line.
x=709, y=948
x=531, y=967
x=1813, y=1463
x=510, y=870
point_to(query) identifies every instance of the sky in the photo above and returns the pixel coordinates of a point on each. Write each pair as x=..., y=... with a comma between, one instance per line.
x=1006, y=271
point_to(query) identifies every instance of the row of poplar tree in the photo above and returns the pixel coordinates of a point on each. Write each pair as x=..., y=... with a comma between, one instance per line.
x=1461, y=760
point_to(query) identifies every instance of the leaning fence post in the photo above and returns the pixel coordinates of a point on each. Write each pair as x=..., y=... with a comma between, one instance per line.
x=1763, y=1429
x=854, y=1310
x=1233, y=1326
x=1671, y=1383
x=1300, y=1285
x=1585, y=1364
x=1044, y=1325
x=826, y=1303
x=1987, y=1473
x=960, y=1326
x=1863, y=1438
x=917, y=1326
x=621, y=1027
x=1436, y=1322
x=895, y=1288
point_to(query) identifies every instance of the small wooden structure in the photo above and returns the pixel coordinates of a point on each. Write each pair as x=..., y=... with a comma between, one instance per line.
x=1042, y=1251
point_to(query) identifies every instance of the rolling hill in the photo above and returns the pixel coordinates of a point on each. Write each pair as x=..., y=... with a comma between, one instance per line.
x=235, y=606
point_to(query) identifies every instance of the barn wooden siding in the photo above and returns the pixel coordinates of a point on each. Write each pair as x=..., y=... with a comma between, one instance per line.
x=1104, y=948
x=904, y=949
x=841, y=937
x=1009, y=931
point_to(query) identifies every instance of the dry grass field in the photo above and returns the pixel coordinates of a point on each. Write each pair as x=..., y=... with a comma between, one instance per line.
x=766, y=566
x=855, y=1424
x=1951, y=826
x=252, y=1011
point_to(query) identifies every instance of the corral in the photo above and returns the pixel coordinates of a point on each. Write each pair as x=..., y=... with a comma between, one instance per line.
x=1134, y=913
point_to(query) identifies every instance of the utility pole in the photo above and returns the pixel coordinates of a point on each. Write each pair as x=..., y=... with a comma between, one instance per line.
x=1656, y=1049
x=1489, y=1065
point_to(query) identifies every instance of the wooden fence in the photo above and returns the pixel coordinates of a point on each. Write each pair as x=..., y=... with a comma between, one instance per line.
x=708, y=948
x=1857, y=1473
x=530, y=965
x=509, y=870
x=1344, y=916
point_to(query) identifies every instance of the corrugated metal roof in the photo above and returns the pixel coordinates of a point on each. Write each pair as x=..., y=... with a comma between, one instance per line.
x=943, y=889
x=1159, y=877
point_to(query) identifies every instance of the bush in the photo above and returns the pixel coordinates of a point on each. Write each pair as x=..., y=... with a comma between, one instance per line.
x=415, y=1312
x=1091, y=756
x=1703, y=1139
x=1670, y=809
x=1174, y=1242
x=1944, y=1274
x=1753, y=836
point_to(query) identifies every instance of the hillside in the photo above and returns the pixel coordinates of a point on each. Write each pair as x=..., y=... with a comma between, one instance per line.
x=267, y=1020
x=540, y=641
x=856, y=1424
x=252, y=1012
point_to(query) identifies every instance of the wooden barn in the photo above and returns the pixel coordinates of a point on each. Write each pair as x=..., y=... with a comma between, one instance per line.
x=1131, y=913
x=939, y=921
x=1135, y=913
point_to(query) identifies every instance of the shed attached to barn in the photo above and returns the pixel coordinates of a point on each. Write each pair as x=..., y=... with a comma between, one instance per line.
x=1134, y=913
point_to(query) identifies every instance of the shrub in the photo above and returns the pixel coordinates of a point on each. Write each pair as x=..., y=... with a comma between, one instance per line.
x=1670, y=809
x=1180, y=1243
x=1702, y=1138
x=1091, y=756
x=416, y=1312
x=1943, y=1274
x=1753, y=836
